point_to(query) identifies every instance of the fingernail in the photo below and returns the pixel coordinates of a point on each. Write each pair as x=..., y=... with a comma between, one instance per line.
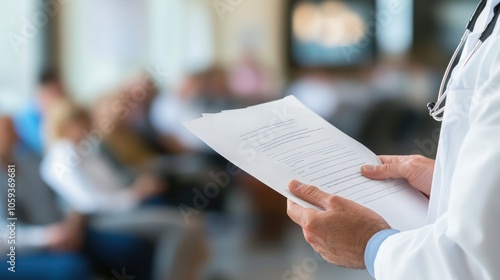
x=295, y=184
x=368, y=168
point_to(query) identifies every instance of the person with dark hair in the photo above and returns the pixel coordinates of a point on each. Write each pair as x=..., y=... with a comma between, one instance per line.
x=47, y=76
x=29, y=120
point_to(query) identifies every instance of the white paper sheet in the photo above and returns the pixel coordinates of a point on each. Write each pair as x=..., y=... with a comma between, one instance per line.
x=283, y=140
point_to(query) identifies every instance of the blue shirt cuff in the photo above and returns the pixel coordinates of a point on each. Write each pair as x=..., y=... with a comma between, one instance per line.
x=373, y=246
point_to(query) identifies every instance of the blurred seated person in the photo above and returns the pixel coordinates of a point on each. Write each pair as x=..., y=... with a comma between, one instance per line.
x=74, y=169
x=317, y=91
x=130, y=155
x=121, y=144
x=249, y=79
x=28, y=122
x=133, y=105
x=203, y=92
x=50, y=244
x=89, y=184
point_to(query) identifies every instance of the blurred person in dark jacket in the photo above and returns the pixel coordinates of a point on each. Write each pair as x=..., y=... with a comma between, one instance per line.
x=133, y=103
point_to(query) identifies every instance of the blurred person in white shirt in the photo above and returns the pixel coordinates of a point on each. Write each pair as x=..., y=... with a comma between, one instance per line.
x=89, y=184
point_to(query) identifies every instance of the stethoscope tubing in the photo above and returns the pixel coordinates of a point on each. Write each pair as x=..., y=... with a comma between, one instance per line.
x=436, y=109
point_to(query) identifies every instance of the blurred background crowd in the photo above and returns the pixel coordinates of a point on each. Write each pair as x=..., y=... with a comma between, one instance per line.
x=93, y=94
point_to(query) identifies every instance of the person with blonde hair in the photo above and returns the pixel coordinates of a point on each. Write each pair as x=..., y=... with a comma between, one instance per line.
x=88, y=183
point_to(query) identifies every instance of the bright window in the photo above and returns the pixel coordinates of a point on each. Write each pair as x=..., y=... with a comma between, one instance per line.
x=22, y=29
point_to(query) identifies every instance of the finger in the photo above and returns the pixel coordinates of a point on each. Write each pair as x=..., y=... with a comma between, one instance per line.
x=392, y=159
x=294, y=212
x=298, y=214
x=309, y=193
x=383, y=171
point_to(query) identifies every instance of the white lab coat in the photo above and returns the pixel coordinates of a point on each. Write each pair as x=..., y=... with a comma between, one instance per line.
x=462, y=239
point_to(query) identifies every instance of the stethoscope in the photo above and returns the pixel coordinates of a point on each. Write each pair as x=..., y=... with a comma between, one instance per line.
x=436, y=109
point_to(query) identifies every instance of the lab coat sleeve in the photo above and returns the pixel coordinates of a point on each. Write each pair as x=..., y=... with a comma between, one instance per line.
x=464, y=242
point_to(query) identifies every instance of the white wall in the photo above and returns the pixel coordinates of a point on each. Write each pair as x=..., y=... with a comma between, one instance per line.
x=104, y=41
x=260, y=20
x=21, y=30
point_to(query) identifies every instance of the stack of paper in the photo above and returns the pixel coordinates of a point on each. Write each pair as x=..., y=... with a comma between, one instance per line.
x=283, y=140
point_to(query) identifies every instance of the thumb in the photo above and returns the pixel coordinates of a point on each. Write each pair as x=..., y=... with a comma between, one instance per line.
x=309, y=193
x=383, y=171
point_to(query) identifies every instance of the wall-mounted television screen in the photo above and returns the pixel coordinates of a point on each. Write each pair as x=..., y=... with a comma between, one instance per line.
x=331, y=33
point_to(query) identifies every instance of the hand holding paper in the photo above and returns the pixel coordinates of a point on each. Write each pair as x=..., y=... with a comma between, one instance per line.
x=283, y=140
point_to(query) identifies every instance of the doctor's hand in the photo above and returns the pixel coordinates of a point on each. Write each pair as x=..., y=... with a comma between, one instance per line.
x=417, y=170
x=341, y=232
